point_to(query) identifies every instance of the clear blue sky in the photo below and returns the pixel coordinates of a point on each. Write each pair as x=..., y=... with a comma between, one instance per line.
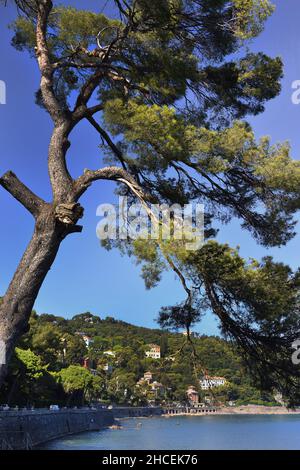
x=85, y=277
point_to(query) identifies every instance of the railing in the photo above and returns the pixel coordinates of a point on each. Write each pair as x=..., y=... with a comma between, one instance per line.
x=41, y=411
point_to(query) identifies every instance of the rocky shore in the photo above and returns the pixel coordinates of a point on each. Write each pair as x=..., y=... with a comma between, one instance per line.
x=239, y=410
x=258, y=410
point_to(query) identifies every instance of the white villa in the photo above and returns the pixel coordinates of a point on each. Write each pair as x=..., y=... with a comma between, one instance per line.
x=153, y=351
x=109, y=353
x=208, y=382
x=87, y=339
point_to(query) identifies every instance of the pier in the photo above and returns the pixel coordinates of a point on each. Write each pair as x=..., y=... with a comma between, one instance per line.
x=186, y=410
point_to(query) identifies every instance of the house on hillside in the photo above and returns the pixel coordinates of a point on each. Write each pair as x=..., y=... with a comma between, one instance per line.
x=86, y=338
x=207, y=382
x=192, y=334
x=153, y=351
x=170, y=358
x=109, y=353
x=192, y=395
x=147, y=378
x=155, y=389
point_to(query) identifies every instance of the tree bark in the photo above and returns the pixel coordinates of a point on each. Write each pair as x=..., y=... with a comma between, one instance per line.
x=53, y=222
x=17, y=304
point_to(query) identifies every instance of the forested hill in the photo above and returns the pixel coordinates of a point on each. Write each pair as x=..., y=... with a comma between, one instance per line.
x=216, y=354
x=108, y=327
x=72, y=361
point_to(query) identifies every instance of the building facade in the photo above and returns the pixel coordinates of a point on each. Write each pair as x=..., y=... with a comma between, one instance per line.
x=208, y=382
x=153, y=351
x=192, y=395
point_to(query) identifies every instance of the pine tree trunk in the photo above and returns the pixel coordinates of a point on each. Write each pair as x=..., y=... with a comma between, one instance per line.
x=17, y=303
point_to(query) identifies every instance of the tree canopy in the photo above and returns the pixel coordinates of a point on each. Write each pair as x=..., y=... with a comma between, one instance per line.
x=170, y=82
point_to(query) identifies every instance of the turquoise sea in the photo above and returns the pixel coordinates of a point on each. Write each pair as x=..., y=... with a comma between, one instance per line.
x=193, y=433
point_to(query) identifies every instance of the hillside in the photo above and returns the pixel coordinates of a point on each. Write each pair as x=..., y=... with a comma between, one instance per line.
x=89, y=358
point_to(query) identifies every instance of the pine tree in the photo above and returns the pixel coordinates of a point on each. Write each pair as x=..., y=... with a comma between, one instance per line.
x=165, y=84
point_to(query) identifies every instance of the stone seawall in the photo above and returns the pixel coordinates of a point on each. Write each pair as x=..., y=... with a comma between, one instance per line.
x=26, y=429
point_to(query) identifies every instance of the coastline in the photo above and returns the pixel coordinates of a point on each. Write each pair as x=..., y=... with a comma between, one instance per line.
x=28, y=429
x=31, y=429
x=243, y=410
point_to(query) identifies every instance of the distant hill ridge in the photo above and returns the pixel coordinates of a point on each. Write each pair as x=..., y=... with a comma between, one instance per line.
x=92, y=325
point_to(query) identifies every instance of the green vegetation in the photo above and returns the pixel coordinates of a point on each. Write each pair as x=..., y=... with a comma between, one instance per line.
x=166, y=86
x=47, y=367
